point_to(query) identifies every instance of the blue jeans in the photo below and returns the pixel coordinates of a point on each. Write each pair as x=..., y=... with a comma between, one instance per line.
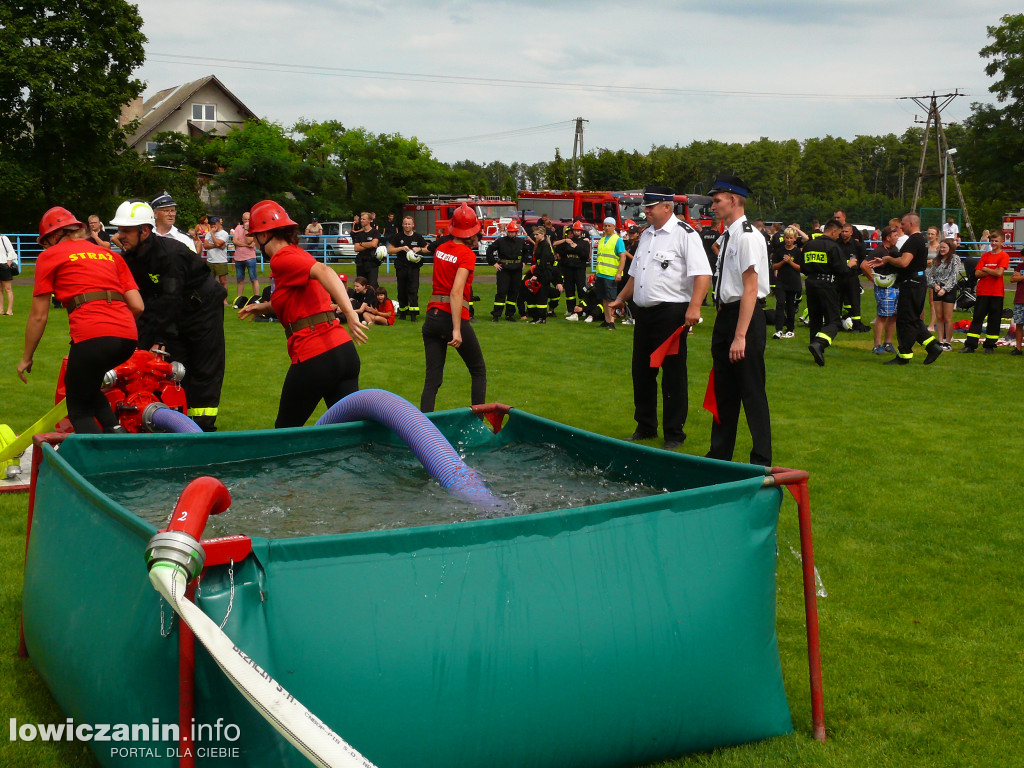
x=242, y=266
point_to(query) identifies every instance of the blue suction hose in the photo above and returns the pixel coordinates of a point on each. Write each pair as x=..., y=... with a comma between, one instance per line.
x=159, y=418
x=424, y=439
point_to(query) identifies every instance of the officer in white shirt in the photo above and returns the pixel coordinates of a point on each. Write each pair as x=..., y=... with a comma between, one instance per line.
x=668, y=280
x=738, y=338
x=165, y=211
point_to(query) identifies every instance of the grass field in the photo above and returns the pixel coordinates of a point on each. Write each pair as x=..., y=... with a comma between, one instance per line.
x=914, y=494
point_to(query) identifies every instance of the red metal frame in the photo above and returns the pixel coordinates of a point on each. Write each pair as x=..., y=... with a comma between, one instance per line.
x=795, y=481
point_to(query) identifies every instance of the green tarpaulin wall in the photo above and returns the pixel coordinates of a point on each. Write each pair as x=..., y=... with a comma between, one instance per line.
x=612, y=635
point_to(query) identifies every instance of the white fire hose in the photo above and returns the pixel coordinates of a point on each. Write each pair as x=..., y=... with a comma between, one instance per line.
x=175, y=557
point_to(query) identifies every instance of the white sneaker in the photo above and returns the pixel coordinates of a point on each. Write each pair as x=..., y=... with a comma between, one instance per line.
x=589, y=319
x=777, y=335
x=572, y=318
x=788, y=335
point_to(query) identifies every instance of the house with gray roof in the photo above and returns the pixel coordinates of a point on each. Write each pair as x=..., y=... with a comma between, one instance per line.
x=192, y=109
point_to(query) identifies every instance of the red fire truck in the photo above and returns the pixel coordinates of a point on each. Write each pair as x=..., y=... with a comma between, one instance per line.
x=594, y=207
x=432, y=213
x=1013, y=230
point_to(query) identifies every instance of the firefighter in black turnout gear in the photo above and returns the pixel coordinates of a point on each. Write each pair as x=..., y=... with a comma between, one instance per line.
x=408, y=247
x=507, y=254
x=546, y=274
x=824, y=265
x=184, y=314
x=573, y=254
x=849, y=285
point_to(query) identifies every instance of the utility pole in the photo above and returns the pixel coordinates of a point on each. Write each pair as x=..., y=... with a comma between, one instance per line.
x=577, y=151
x=944, y=156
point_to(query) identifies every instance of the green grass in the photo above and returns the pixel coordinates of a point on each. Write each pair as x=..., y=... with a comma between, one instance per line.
x=914, y=495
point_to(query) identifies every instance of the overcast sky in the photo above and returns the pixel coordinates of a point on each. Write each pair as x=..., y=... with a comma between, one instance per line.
x=642, y=74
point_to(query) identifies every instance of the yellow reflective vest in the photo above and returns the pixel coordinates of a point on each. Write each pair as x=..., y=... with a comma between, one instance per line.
x=607, y=259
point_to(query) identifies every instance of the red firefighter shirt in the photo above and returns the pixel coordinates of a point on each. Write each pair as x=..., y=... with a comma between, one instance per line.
x=987, y=284
x=448, y=259
x=73, y=267
x=296, y=295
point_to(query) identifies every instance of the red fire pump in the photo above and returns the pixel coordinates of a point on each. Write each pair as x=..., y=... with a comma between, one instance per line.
x=142, y=380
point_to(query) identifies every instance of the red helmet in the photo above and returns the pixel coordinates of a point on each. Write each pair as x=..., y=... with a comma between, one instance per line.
x=54, y=219
x=342, y=275
x=464, y=222
x=267, y=215
x=533, y=285
x=512, y=227
x=591, y=279
x=578, y=226
x=629, y=223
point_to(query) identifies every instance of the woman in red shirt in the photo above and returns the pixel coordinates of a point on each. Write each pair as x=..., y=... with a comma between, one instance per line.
x=447, y=321
x=325, y=364
x=101, y=297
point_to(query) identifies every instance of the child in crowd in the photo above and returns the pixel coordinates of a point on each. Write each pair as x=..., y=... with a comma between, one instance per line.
x=361, y=297
x=383, y=313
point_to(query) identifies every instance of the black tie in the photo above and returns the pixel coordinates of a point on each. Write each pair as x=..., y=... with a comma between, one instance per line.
x=721, y=269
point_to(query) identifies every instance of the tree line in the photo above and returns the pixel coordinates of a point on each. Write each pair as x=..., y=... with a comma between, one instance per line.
x=63, y=79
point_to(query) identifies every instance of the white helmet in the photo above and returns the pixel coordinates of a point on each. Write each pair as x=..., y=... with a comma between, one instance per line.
x=848, y=323
x=884, y=281
x=131, y=214
x=381, y=253
x=413, y=257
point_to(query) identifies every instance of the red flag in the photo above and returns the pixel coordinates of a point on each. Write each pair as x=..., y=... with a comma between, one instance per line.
x=669, y=347
x=710, y=401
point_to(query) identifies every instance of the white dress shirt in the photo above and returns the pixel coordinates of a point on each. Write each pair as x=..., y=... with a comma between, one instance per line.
x=666, y=261
x=744, y=250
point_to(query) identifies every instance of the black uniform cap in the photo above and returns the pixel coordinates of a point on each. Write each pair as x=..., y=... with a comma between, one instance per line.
x=162, y=201
x=734, y=184
x=654, y=195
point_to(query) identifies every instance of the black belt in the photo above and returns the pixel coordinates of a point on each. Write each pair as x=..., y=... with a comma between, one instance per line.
x=307, y=322
x=760, y=304
x=910, y=277
x=108, y=296
x=510, y=262
x=821, y=278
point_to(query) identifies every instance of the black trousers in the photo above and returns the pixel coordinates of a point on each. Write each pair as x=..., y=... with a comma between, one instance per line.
x=988, y=314
x=200, y=348
x=368, y=267
x=849, y=286
x=785, y=308
x=507, y=283
x=329, y=376
x=88, y=361
x=437, y=332
x=910, y=327
x=574, y=281
x=408, y=292
x=555, y=276
x=653, y=326
x=740, y=382
x=822, y=310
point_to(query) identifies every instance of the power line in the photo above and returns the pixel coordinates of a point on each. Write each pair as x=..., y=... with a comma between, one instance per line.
x=416, y=77
x=516, y=132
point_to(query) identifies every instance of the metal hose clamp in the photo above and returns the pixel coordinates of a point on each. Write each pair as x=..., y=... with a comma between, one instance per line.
x=178, y=548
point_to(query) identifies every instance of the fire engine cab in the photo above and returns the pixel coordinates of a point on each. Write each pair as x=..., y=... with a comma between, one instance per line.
x=594, y=207
x=432, y=213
